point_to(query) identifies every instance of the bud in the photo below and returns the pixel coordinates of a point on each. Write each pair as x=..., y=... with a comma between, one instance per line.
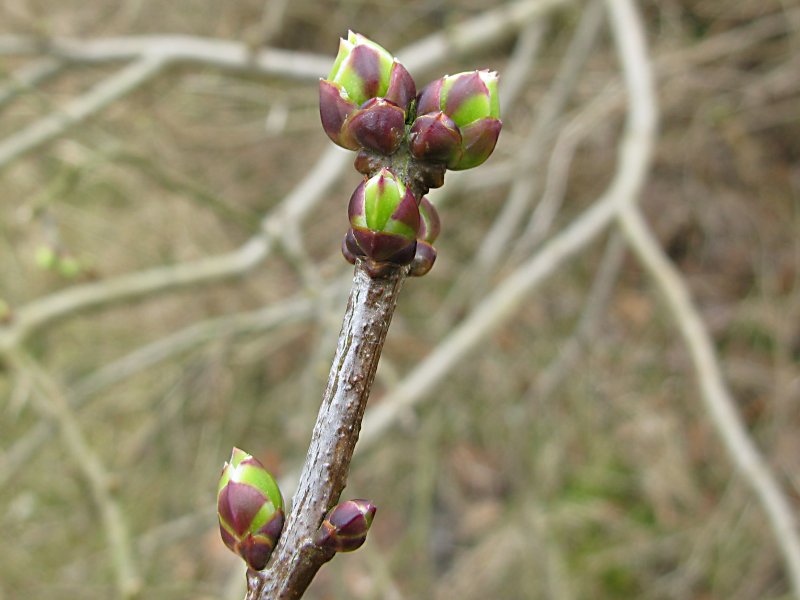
x=471, y=100
x=250, y=509
x=378, y=125
x=346, y=525
x=424, y=257
x=429, y=229
x=384, y=218
x=365, y=71
x=435, y=137
x=347, y=242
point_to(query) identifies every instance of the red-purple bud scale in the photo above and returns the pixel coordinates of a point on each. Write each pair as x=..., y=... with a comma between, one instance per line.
x=424, y=257
x=378, y=125
x=430, y=225
x=435, y=137
x=345, y=527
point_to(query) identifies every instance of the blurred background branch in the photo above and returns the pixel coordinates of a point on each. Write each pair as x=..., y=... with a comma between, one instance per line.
x=169, y=288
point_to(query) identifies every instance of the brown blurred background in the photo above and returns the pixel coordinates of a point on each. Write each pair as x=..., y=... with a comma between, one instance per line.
x=567, y=456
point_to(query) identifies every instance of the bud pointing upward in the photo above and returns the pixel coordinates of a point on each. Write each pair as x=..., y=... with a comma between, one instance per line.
x=471, y=102
x=364, y=100
x=250, y=509
x=384, y=219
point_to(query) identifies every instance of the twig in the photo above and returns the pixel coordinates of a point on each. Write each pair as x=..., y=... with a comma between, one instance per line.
x=100, y=96
x=29, y=77
x=520, y=65
x=491, y=249
x=558, y=169
x=596, y=302
x=83, y=297
x=296, y=560
x=492, y=26
x=282, y=314
x=174, y=50
x=672, y=64
x=629, y=37
x=52, y=405
x=532, y=151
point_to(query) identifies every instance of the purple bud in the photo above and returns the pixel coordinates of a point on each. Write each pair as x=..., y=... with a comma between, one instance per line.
x=345, y=527
x=435, y=137
x=348, y=245
x=378, y=125
x=429, y=99
x=333, y=112
x=471, y=101
x=363, y=69
x=402, y=88
x=423, y=261
x=384, y=247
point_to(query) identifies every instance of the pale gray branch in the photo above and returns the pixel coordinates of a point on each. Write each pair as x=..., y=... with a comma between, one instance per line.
x=175, y=49
x=720, y=405
x=52, y=404
x=490, y=251
x=56, y=123
x=28, y=77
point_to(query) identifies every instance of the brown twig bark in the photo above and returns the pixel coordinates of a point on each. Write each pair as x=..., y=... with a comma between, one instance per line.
x=296, y=559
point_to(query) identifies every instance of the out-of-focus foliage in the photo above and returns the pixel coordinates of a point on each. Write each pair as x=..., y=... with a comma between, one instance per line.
x=611, y=485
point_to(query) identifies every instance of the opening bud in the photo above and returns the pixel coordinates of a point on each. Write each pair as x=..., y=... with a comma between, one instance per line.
x=384, y=219
x=471, y=101
x=365, y=71
x=345, y=527
x=250, y=509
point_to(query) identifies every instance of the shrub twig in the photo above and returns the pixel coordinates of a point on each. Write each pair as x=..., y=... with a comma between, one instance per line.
x=296, y=559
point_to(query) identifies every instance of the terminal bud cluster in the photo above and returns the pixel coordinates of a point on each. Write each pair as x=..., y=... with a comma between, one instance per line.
x=405, y=142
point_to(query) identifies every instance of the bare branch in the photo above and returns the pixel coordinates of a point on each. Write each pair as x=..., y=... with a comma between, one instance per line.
x=95, y=100
x=596, y=303
x=720, y=405
x=175, y=49
x=533, y=150
x=52, y=405
x=29, y=77
x=296, y=559
x=526, y=181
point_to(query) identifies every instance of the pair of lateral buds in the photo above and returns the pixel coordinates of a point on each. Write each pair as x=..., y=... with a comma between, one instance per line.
x=405, y=142
x=250, y=510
